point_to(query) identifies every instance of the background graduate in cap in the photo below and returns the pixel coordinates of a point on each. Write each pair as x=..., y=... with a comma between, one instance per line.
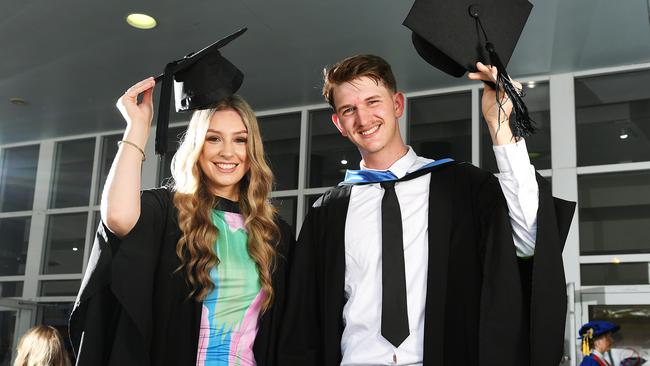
x=597, y=341
x=192, y=273
x=412, y=261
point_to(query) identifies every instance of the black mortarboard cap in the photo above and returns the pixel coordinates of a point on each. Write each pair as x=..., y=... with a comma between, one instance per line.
x=452, y=35
x=200, y=80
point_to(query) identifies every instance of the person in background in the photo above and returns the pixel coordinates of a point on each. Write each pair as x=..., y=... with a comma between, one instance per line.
x=597, y=341
x=42, y=345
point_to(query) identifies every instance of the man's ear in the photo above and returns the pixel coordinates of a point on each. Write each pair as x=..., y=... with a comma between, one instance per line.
x=337, y=123
x=398, y=102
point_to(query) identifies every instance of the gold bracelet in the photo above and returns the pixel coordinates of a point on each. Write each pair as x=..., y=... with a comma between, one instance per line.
x=144, y=157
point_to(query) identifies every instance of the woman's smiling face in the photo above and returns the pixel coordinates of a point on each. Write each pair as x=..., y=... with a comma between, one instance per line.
x=224, y=158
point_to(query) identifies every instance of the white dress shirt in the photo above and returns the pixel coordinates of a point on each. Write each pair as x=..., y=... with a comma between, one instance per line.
x=362, y=342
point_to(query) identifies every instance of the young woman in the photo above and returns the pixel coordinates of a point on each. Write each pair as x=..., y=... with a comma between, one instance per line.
x=41, y=346
x=193, y=273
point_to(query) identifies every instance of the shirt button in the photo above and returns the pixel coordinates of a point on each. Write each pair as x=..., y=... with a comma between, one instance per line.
x=394, y=358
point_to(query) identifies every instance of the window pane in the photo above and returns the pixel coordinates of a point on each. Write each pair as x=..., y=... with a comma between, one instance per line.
x=18, y=178
x=73, y=168
x=613, y=111
x=11, y=289
x=13, y=245
x=174, y=135
x=64, y=245
x=605, y=274
x=440, y=126
x=537, y=100
x=59, y=288
x=109, y=150
x=634, y=321
x=287, y=209
x=7, y=329
x=614, y=212
x=330, y=154
x=281, y=135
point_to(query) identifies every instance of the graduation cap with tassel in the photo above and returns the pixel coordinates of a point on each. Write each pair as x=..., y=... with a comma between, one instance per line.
x=452, y=35
x=200, y=80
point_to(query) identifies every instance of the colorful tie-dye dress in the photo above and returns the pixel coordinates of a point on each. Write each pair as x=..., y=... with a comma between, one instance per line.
x=229, y=319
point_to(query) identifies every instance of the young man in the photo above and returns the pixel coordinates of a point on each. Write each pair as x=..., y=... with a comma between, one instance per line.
x=418, y=262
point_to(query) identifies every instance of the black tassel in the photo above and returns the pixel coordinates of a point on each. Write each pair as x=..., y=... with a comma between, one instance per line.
x=163, y=109
x=521, y=124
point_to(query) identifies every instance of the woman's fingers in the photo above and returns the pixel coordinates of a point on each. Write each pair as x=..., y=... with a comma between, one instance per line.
x=133, y=92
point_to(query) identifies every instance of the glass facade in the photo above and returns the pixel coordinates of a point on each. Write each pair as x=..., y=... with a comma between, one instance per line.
x=614, y=212
x=18, y=178
x=73, y=167
x=613, y=111
x=64, y=244
x=440, y=126
x=281, y=135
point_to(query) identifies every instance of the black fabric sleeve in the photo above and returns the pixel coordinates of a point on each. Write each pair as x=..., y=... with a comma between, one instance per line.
x=522, y=300
x=111, y=322
x=266, y=341
x=300, y=334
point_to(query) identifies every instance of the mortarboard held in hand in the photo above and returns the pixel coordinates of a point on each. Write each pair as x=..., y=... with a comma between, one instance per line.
x=452, y=35
x=200, y=80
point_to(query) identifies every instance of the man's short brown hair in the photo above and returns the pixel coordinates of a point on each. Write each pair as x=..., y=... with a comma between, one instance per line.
x=346, y=70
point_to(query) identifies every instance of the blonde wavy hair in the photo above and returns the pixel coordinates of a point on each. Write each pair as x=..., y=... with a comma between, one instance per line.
x=194, y=202
x=42, y=345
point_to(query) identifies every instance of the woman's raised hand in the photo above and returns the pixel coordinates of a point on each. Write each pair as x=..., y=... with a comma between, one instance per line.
x=138, y=114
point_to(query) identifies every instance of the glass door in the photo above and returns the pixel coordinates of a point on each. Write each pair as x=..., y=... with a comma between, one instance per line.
x=16, y=317
x=630, y=309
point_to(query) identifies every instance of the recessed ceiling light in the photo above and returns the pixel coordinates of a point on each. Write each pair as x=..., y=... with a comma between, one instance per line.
x=344, y=162
x=141, y=21
x=74, y=249
x=623, y=134
x=18, y=101
x=616, y=260
x=531, y=84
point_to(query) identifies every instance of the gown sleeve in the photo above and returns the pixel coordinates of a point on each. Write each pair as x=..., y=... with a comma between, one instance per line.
x=111, y=322
x=522, y=299
x=266, y=340
x=300, y=334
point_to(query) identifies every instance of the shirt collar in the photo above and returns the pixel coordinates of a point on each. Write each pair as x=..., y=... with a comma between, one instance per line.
x=401, y=166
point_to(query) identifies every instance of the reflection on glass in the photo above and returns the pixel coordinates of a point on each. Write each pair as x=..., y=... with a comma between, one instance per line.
x=440, y=126
x=613, y=118
x=64, y=246
x=611, y=274
x=330, y=154
x=537, y=100
x=11, y=289
x=14, y=242
x=614, y=212
x=174, y=135
x=634, y=321
x=109, y=149
x=281, y=135
x=18, y=178
x=59, y=288
x=286, y=209
x=73, y=167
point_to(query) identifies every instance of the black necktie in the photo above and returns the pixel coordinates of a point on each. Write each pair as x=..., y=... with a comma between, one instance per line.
x=394, y=315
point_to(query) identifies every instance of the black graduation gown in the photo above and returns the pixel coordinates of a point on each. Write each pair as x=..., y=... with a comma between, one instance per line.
x=133, y=307
x=484, y=305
